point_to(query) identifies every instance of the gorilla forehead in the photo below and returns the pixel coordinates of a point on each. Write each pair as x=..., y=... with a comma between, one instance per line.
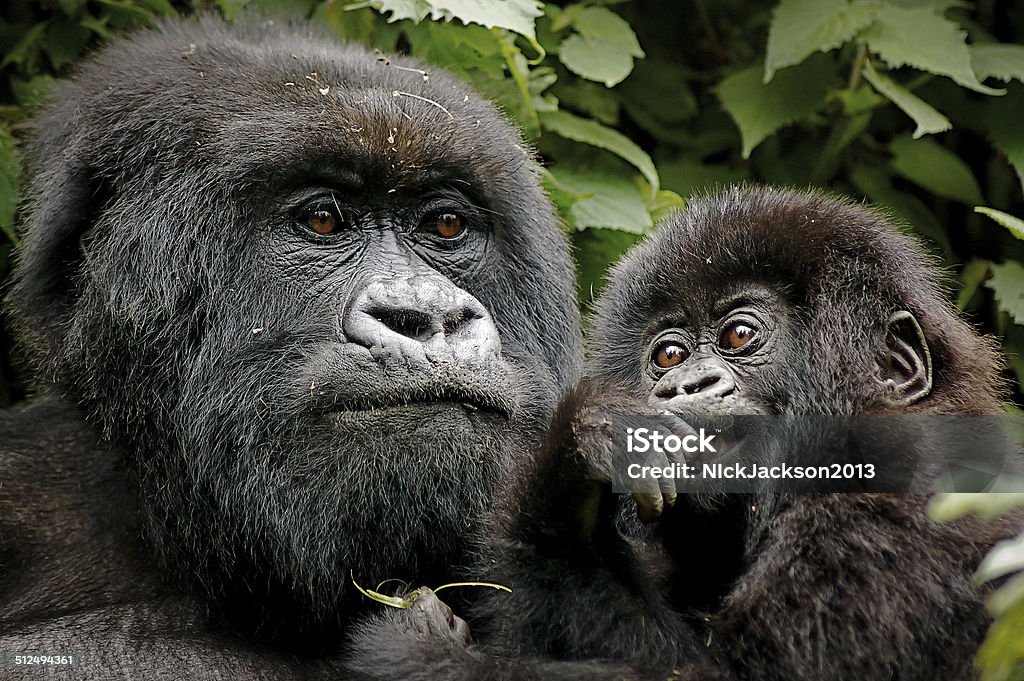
x=221, y=91
x=812, y=246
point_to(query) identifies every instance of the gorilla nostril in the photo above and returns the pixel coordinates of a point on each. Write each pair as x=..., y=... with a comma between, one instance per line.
x=701, y=384
x=456, y=320
x=409, y=323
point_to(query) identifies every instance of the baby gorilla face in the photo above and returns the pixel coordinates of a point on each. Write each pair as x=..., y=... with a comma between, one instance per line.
x=721, y=356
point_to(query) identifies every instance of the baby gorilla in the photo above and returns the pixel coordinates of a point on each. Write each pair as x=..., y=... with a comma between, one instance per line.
x=768, y=301
x=757, y=301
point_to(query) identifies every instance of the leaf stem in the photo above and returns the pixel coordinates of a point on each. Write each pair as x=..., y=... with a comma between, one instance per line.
x=858, y=66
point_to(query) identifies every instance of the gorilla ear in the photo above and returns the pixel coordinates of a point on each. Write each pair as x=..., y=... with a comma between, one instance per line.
x=906, y=363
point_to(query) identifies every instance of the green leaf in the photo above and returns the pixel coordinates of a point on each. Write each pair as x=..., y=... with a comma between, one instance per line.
x=163, y=7
x=876, y=183
x=65, y=41
x=1007, y=283
x=233, y=9
x=1015, y=225
x=689, y=176
x=1001, y=656
x=1003, y=123
x=801, y=27
x=665, y=203
x=995, y=60
x=953, y=505
x=595, y=251
x=28, y=47
x=596, y=101
x=928, y=120
x=593, y=133
x=921, y=38
x=932, y=166
x=71, y=7
x=602, y=48
x=761, y=109
x=518, y=16
x=609, y=199
x=971, y=276
x=277, y=8
x=1005, y=558
x=31, y=94
x=653, y=106
x=10, y=173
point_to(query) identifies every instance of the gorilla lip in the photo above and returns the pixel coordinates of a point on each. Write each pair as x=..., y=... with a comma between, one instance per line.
x=468, y=399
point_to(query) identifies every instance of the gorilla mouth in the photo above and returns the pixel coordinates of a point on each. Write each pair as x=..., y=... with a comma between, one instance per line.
x=470, y=400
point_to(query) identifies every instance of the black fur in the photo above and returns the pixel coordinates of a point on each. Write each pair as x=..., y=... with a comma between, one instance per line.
x=768, y=586
x=217, y=458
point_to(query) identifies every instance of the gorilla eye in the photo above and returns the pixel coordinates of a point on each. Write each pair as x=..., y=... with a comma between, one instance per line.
x=322, y=222
x=669, y=354
x=449, y=226
x=736, y=335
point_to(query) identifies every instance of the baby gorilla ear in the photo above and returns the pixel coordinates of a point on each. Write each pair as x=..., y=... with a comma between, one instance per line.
x=906, y=363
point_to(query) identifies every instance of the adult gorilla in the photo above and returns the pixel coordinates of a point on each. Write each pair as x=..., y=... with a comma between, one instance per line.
x=299, y=312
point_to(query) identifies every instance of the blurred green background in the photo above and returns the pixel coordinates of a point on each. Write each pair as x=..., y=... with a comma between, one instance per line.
x=634, y=105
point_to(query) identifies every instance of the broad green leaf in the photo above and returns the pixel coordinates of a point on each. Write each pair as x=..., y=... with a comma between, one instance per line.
x=591, y=132
x=610, y=200
x=592, y=99
x=1004, y=558
x=928, y=120
x=1003, y=118
x=158, y=6
x=596, y=250
x=28, y=47
x=801, y=27
x=602, y=48
x=598, y=23
x=971, y=277
x=32, y=94
x=1015, y=225
x=1007, y=283
x=932, y=166
x=665, y=203
x=876, y=183
x=517, y=16
x=71, y=7
x=995, y=60
x=658, y=96
x=921, y=38
x=10, y=172
x=946, y=507
x=65, y=41
x=356, y=25
x=416, y=10
x=1001, y=656
x=302, y=8
x=689, y=176
x=761, y=109
x=233, y=9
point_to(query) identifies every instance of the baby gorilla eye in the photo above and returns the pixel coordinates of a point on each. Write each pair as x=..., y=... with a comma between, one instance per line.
x=449, y=225
x=322, y=222
x=668, y=354
x=736, y=335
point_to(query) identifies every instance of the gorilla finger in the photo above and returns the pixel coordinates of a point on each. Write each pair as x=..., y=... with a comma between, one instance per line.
x=648, y=506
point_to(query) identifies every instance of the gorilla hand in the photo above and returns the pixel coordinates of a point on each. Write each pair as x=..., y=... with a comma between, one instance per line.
x=602, y=448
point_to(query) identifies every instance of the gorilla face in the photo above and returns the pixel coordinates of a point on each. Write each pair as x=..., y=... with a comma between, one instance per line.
x=726, y=355
x=317, y=301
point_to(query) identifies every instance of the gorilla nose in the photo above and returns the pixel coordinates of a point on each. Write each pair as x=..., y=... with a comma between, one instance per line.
x=702, y=381
x=422, y=315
